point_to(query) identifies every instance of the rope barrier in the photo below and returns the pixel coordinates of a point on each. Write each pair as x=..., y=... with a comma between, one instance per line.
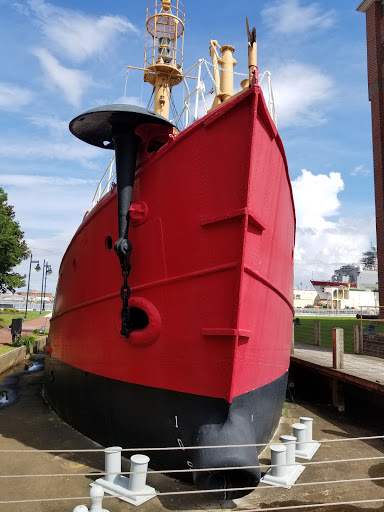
x=171, y=448
x=291, y=507
x=198, y=470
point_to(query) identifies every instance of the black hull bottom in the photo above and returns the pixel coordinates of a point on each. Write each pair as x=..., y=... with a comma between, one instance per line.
x=116, y=413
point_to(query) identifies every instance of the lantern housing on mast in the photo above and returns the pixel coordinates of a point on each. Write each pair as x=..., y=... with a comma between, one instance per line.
x=164, y=43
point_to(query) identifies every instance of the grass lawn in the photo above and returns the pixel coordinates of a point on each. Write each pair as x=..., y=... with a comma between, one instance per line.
x=304, y=333
x=6, y=316
x=5, y=348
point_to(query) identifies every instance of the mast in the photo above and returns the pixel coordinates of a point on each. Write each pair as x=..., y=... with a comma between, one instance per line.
x=164, y=43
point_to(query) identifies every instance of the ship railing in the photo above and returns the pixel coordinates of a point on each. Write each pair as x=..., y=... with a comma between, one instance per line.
x=326, y=312
x=199, y=92
x=105, y=183
x=190, y=113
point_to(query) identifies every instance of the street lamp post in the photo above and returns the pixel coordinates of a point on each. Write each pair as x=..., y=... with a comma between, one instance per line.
x=37, y=268
x=47, y=270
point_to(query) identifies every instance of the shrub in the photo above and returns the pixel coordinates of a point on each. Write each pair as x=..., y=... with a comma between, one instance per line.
x=28, y=341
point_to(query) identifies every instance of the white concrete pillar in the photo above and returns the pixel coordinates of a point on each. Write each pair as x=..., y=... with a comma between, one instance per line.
x=97, y=494
x=139, y=464
x=309, y=422
x=300, y=432
x=112, y=462
x=290, y=443
x=278, y=459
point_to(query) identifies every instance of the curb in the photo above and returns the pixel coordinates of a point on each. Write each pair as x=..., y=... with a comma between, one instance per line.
x=17, y=355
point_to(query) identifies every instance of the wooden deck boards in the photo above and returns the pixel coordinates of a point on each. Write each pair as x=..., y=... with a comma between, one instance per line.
x=364, y=371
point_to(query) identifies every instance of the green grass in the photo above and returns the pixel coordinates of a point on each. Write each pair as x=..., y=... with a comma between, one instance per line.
x=6, y=317
x=5, y=348
x=304, y=333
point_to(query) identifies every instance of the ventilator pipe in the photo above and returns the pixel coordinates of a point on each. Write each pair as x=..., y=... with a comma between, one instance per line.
x=278, y=460
x=308, y=422
x=290, y=443
x=112, y=463
x=138, y=477
x=300, y=432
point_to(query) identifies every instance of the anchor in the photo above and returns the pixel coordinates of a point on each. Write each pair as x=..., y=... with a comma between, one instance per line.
x=113, y=127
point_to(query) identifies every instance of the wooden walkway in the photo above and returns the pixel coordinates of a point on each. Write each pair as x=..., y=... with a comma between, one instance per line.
x=364, y=371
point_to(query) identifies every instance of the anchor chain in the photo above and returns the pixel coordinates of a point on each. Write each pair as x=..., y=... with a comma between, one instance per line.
x=123, y=249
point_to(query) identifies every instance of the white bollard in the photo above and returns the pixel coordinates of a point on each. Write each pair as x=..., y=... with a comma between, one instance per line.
x=290, y=443
x=80, y=508
x=305, y=446
x=282, y=474
x=309, y=422
x=139, y=468
x=97, y=493
x=278, y=459
x=133, y=490
x=300, y=432
x=112, y=462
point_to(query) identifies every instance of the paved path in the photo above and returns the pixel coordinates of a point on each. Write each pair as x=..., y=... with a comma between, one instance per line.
x=365, y=371
x=28, y=327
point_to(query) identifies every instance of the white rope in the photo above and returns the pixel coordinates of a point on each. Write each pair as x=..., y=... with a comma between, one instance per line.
x=161, y=448
x=199, y=470
x=293, y=507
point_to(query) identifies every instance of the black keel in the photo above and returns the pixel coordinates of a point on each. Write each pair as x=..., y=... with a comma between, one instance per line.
x=119, y=413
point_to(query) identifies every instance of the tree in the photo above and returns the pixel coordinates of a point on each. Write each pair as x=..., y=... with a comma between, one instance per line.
x=13, y=248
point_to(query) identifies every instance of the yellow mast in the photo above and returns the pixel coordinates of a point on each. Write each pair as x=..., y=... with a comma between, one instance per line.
x=164, y=43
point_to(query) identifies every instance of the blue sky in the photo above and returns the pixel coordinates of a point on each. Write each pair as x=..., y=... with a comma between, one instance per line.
x=61, y=58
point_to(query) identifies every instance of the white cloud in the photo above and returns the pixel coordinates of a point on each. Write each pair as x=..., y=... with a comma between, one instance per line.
x=43, y=149
x=13, y=97
x=26, y=180
x=360, y=170
x=54, y=125
x=49, y=210
x=289, y=17
x=71, y=82
x=325, y=240
x=75, y=34
x=301, y=93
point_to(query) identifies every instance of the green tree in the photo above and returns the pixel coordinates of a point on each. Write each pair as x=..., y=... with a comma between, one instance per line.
x=13, y=248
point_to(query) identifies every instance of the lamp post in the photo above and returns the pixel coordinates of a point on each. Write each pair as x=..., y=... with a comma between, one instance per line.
x=37, y=268
x=47, y=270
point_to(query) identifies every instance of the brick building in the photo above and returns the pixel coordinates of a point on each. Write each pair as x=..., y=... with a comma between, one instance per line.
x=374, y=10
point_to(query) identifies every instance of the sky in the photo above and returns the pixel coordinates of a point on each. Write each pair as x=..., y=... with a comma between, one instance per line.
x=62, y=58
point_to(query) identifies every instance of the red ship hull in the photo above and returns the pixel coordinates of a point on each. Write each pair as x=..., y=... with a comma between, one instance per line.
x=212, y=274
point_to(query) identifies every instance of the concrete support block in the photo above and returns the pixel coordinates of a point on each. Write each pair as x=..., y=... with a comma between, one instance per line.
x=316, y=333
x=338, y=348
x=133, y=490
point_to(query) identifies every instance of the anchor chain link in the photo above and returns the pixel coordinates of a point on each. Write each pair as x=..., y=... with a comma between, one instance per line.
x=124, y=250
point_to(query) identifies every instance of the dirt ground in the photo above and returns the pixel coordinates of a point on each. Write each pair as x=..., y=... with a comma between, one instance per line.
x=29, y=423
